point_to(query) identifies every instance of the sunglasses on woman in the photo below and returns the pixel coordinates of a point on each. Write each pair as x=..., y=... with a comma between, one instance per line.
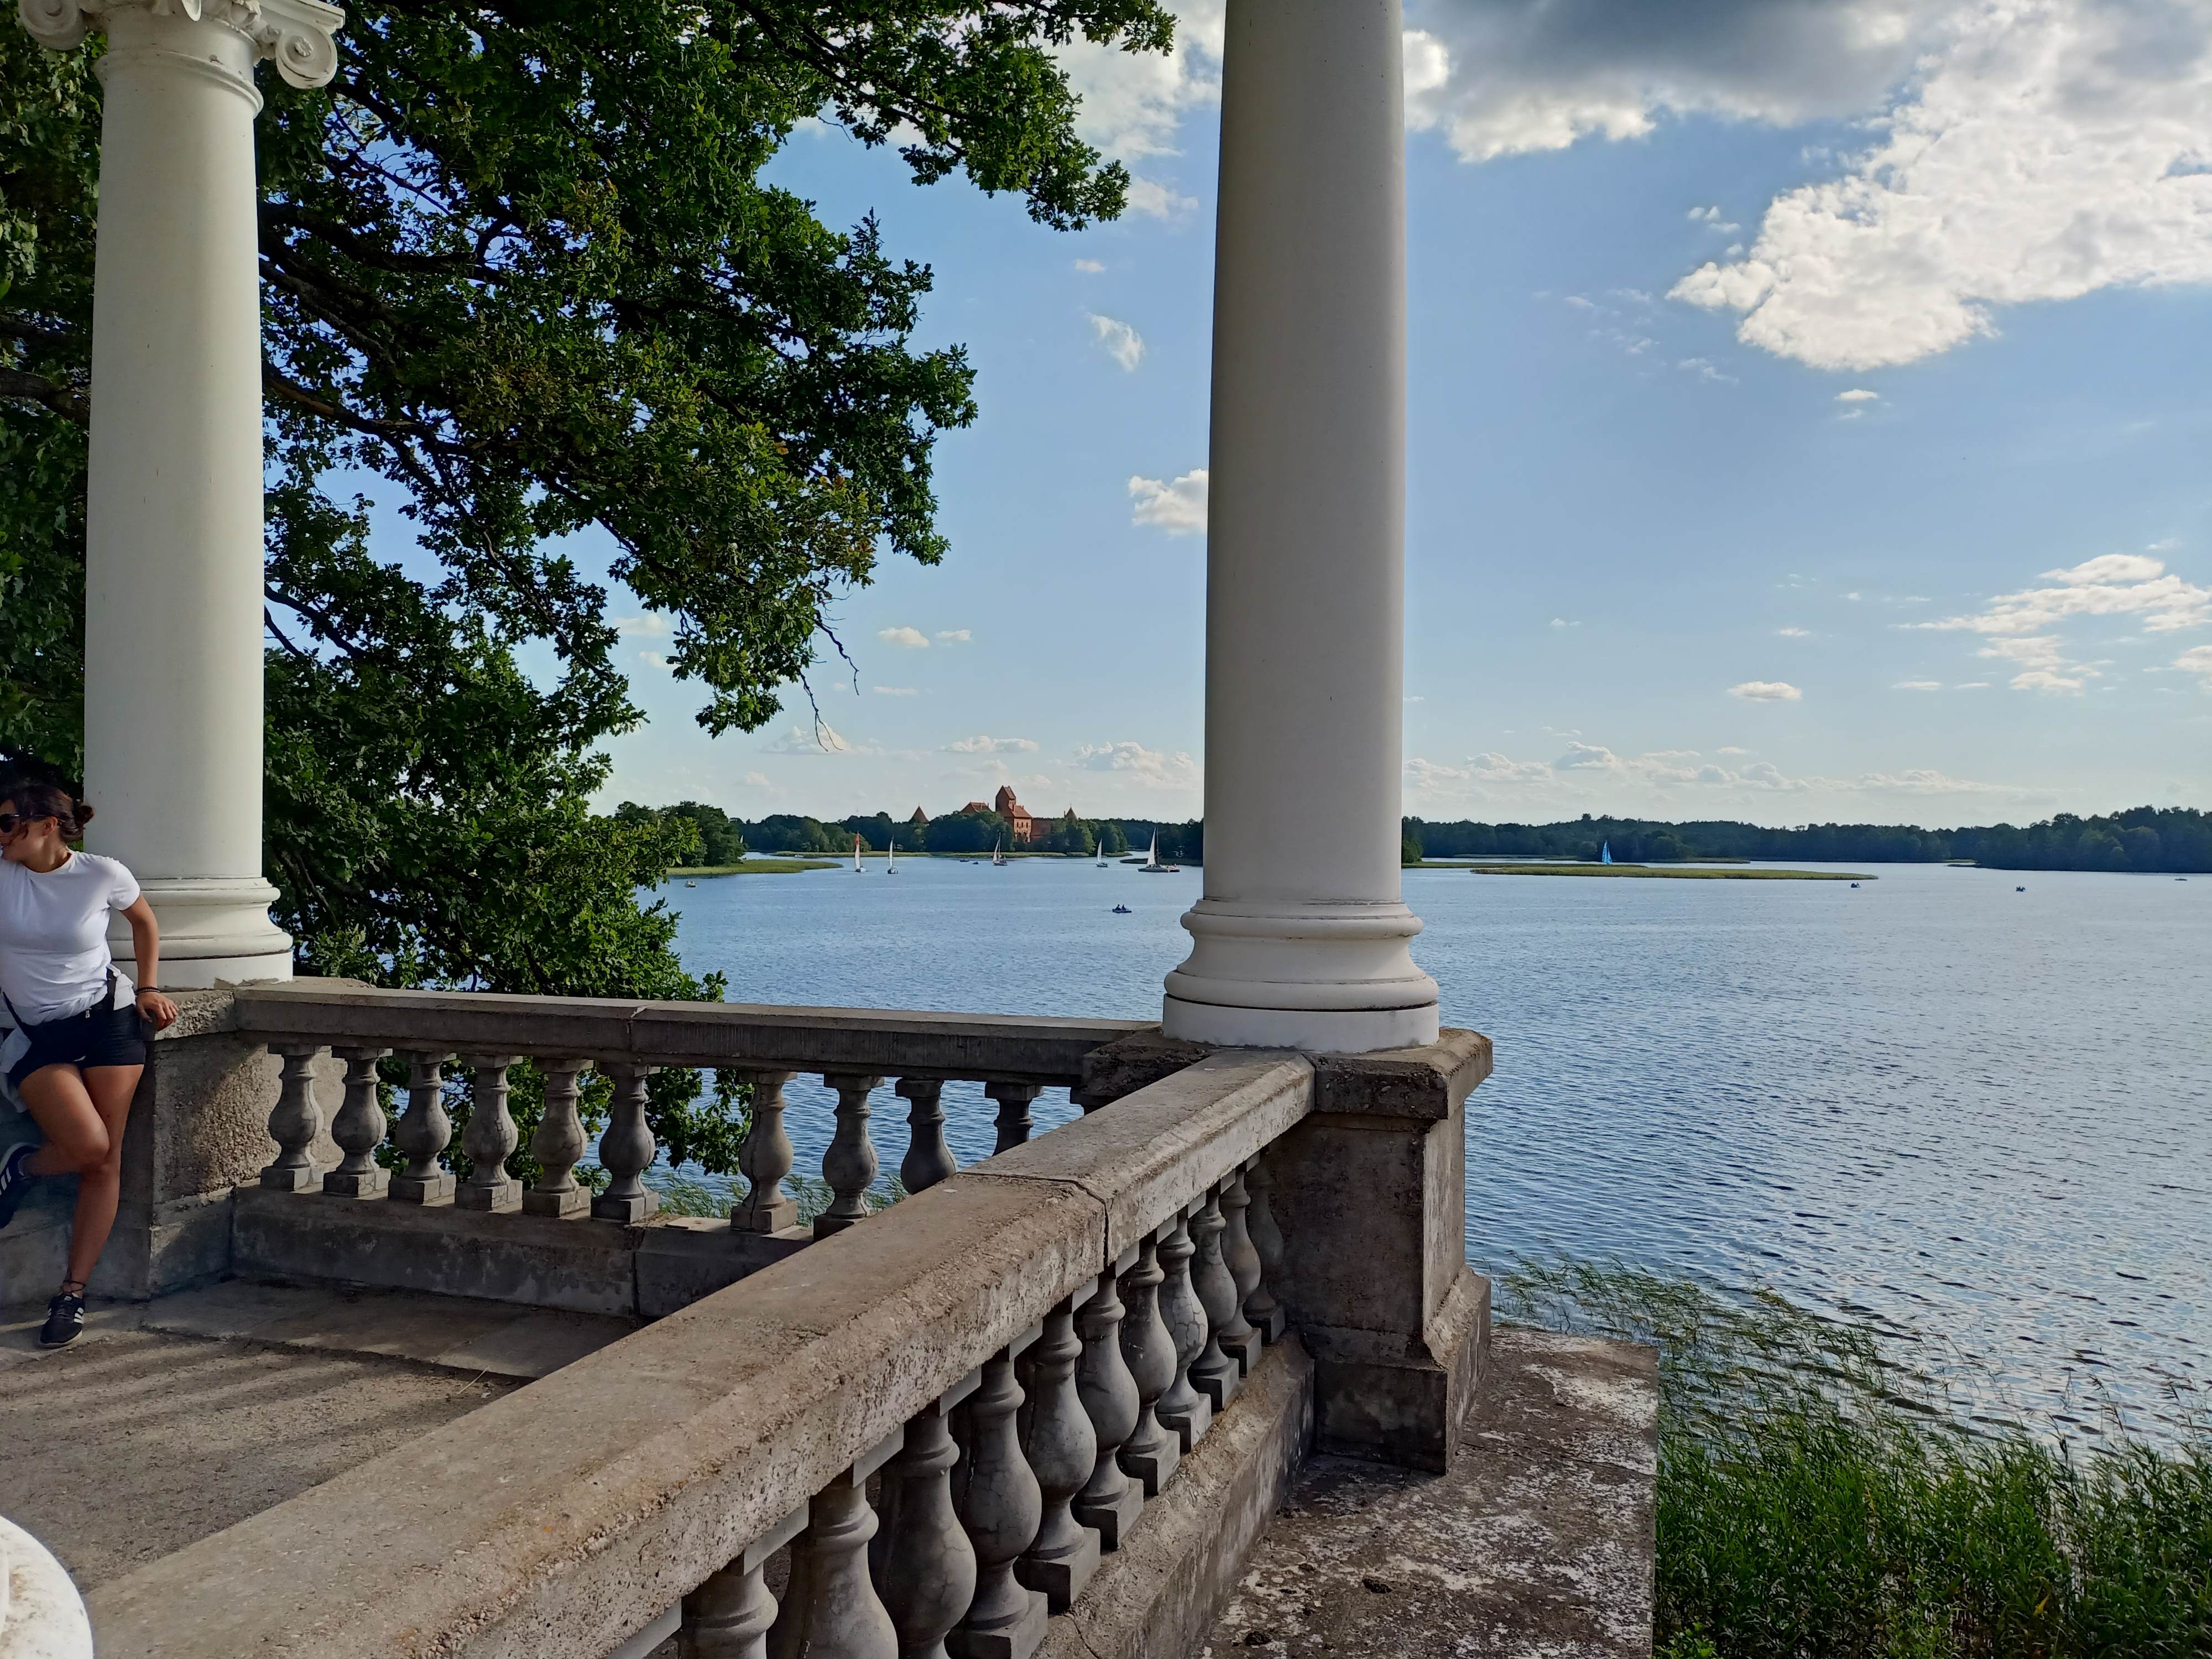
x=11, y=822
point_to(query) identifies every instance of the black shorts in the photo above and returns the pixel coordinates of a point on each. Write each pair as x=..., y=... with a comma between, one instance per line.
x=100, y=1035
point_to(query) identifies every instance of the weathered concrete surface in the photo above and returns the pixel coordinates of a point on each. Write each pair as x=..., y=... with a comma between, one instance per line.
x=1158, y=1595
x=579, y=1264
x=452, y=1334
x=1164, y=1146
x=1538, y=1542
x=573, y=1513
x=886, y=1043
x=132, y=1444
x=1370, y=1192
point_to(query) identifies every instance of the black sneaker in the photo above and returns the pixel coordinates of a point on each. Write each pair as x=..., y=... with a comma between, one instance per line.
x=15, y=1179
x=65, y=1319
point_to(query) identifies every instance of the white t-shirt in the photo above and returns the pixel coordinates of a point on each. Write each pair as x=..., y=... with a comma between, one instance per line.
x=53, y=934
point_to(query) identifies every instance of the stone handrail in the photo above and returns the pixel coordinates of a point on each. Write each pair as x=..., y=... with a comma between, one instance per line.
x=569, y=1517
x=853, y=1050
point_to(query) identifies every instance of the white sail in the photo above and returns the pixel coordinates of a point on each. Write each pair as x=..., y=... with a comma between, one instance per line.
x=890, y=861
x=856, y=855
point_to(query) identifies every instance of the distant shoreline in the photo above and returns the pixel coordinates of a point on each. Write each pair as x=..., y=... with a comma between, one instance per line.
x=1664, y=871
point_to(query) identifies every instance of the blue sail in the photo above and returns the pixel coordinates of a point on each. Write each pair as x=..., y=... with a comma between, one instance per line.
x=1605, y=854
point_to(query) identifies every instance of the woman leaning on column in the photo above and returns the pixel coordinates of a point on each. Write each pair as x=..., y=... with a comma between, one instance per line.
x=78, y=1043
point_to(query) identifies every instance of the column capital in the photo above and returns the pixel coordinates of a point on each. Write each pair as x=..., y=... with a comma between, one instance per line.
x=296, y=34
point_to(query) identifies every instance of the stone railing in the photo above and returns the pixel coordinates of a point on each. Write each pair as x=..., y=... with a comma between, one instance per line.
x=426, y=1228
x=1025, y=1361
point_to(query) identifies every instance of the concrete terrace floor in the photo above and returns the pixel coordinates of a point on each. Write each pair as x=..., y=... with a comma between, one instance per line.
x=1538, y=1542
x=163, y=1423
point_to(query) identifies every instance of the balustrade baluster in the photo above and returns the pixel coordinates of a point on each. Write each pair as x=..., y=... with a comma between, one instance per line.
x=1062, y=1449
x=1150, y=1453
x=1014, y=1120
x=489, y=1140
x=1216, y=1372
x=928, y=1160
x=831, y=1609
x=626, y=1150
x=358, y=1129
x=1109, y=1501
x=766, y=1159
x=1183, y=1408
x=422, y=1133
x=294, y=1121
x=923, y=1565
x=558, y=1143
x=1267, y=1313
x=849, y=1163
x=1241, y=1338
x=1000, y=1505
x=730, y=1615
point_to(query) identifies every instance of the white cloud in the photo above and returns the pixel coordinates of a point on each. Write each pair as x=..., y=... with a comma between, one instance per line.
x=1765, y=691
x=654, y=659
x=1089, y=267
x=1146, y=766
x=1856, y=395
x=2024, y=625
x=757, y=780
x=895, y=691
x=1710, y=218
x=2045, y=149
x=819, y=738
x=1972, y=685
x=2197, y=660
x=908, y=639
x=1917, y=685
x=1177, y=507
x=1587, y=757
x=1705, y=369
x=1795, y=633
x=983, y=745
x=1561, y=621
x=1730, y=749
x=954, y=635
x=1157, y=201
x=1122, y=343
x=1133, y=103
x=1499, y=77
x=651, y=626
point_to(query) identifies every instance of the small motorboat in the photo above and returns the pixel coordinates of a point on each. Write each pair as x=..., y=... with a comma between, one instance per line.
x=2020, y=889
x=1123, y=910
x=1855, y=887
x=690, y=883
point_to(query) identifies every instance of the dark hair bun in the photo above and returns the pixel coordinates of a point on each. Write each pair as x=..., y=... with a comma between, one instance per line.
x=81, y=811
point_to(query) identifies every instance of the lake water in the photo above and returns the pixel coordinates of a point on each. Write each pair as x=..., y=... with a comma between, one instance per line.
x=1983, y=1113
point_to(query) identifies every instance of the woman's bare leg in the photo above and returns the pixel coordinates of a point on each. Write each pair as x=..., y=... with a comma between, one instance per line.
x=82, y=1116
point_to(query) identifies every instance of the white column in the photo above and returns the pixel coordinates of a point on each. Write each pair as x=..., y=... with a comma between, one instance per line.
x=1301, y=939
x=173, y=704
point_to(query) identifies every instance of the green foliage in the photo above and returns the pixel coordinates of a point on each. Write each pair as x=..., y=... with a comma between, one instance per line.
x=522, y=276
x=1819, y=1497
x=1409, y=849
x=784, y=832
x=2150, y=839
x=715, y=838
x=969, y=832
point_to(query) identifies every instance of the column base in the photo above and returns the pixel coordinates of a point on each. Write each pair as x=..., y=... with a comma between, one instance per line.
x=214, y=928
x=1320, y=978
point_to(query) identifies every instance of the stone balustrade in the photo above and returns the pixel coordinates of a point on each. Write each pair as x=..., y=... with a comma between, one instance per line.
x=315, y=1031
x=1020, y=1362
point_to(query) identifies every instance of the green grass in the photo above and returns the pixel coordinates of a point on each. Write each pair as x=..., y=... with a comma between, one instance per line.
x=752, y=867
x=1821, y=1496
x=1668, y=871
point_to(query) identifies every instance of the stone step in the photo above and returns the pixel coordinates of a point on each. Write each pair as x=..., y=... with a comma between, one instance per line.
x=1540, y=1541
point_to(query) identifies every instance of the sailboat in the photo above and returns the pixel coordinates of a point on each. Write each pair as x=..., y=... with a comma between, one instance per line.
x=998, y=858
x=1605, y=854
x=1102, y=860
x=1152, y=866
x=856, y=857
x=891, y=863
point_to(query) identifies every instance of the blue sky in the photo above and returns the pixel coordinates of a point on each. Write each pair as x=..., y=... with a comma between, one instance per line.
x=1808, y=421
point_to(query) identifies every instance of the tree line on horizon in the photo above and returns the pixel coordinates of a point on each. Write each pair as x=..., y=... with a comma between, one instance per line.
x=2147, y=839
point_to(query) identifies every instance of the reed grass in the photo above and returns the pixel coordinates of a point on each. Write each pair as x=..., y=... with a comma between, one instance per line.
x=1823, y=1494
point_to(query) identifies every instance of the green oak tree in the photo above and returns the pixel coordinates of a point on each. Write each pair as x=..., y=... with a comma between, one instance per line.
x=521, y=276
